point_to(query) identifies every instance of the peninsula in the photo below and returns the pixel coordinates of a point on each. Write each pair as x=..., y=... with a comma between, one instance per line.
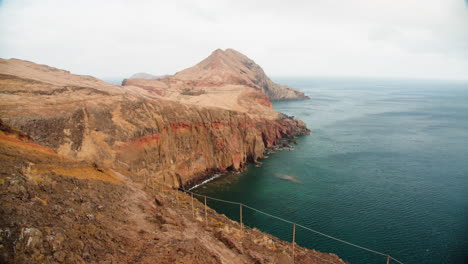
x=82, y=161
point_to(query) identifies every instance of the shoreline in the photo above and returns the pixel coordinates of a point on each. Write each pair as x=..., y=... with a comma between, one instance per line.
x=212, y=174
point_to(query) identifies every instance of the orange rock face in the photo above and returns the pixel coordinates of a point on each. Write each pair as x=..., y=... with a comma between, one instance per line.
x=126, y=127
x=59, y=210
x=78, y=154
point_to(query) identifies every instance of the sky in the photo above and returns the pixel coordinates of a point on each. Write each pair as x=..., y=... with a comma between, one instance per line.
x=417, y=39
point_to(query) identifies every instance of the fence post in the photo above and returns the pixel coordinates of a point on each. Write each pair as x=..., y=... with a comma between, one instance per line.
x=240, y=217
x=388, y=259
x=206, y=214
x=193, y=211
x=293, y=240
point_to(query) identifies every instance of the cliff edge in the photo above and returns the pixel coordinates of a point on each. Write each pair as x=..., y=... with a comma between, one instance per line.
x=126, y=127
x=82, y=163
x=56, y=209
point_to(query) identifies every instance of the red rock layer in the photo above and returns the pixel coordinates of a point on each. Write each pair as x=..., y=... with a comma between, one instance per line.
x=158, y=139
x=153, y=138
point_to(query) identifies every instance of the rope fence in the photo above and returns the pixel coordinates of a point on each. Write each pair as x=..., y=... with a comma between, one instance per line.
x=294, y=225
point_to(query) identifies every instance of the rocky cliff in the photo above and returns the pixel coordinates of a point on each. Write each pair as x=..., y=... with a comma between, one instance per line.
x=82, y=162
x=121, y=127
x=56, y=209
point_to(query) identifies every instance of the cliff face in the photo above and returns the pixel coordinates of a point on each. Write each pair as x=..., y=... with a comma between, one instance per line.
x=80, y=160
x=162, y=140
x=56, y=209
x=152, y=138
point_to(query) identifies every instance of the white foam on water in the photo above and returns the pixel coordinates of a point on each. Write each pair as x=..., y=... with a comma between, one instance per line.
x=217, y=175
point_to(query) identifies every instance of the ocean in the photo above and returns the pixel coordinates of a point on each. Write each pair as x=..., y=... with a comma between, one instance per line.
x=385, y=167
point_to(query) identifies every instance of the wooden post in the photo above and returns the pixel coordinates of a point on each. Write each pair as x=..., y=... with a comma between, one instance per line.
x=240, y=217
x=388, y=259
x=193, y=211
x=206, y=214
x=293, y=240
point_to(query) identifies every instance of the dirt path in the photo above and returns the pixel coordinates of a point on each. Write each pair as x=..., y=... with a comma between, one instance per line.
x=139, y=205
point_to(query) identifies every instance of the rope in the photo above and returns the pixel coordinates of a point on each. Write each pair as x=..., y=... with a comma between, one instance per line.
x=320, y=233
x=299, y=225
x=212, y=198
x=219, y=200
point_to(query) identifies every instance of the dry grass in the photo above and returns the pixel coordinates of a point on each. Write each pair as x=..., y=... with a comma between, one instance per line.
x=15, y=149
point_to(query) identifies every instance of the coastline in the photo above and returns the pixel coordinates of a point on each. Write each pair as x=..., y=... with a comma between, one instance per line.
x=201, y=179
x=122, y=147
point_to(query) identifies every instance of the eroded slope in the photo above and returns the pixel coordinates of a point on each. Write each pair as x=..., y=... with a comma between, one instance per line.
x=59, y=210
x=170, y=141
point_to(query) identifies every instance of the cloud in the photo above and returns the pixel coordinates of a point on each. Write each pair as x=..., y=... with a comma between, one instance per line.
x=390, y=38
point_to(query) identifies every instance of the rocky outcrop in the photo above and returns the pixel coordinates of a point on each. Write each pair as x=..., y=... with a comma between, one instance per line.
x=59, y=210
x=165, y=140
x=81, y=160
x=232, y=67
x=225, y=74
x=152, y=138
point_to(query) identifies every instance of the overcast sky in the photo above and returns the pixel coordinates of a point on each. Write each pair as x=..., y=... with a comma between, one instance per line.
x=116, y=38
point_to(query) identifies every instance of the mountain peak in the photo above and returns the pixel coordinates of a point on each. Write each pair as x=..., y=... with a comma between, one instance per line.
x=217, y=51
x=221, y=51
x=232, y=67
x=227, y=53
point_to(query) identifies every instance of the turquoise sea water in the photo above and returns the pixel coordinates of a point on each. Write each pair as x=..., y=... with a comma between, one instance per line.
x=386, y=167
